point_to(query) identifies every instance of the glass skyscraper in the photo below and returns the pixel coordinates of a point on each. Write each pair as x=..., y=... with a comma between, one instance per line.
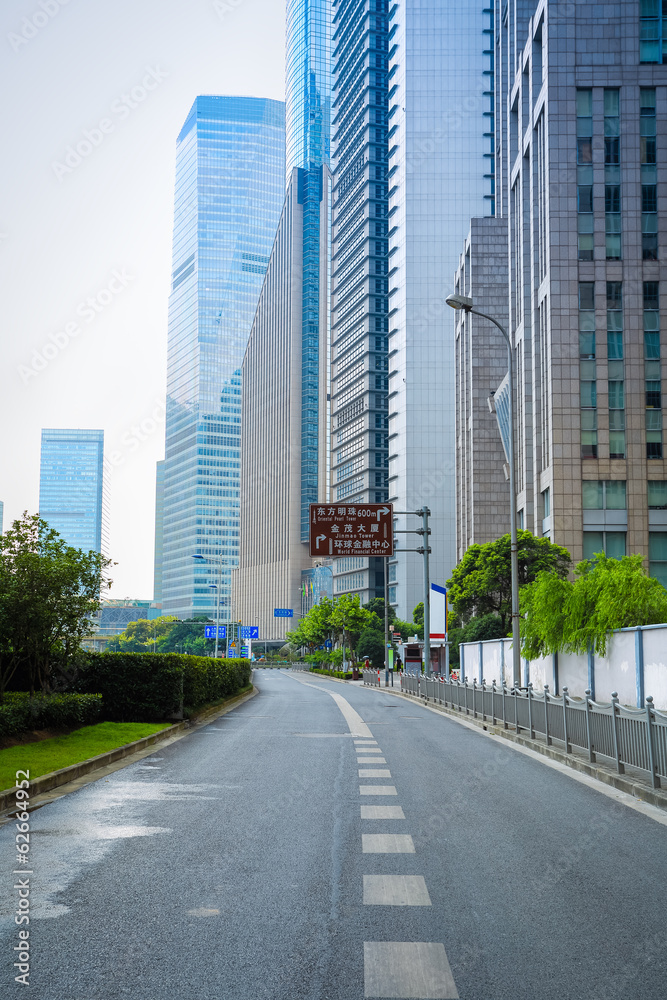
x=230, y=165
x=307, y=143
x=285, y=457
x=360, y=426
x=72, y=489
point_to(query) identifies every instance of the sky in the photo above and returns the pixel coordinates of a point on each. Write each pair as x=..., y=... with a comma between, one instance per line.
x=94, y=95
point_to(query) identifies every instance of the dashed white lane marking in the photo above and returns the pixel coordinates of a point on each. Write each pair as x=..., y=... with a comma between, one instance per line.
x=366, y=748
x=408, y=969
x=387, y=843
x=371, y=760
x=366, y=743
x=374, y=772
x=395, y=890
x=382, y=812
x=356, y=724
x=377, y=790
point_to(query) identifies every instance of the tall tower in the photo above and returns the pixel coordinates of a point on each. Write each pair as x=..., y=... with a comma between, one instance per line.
x=359, y=322
x=229, y=192
x=285, y=455
x=72, y=488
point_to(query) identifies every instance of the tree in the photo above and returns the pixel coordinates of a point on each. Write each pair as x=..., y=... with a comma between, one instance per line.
x=48, y=594
x=376, y=607
x=348, y=619
x=142, y=635
x=482, y=582
x=371, y=644
x=607, y=594
x=314, y=628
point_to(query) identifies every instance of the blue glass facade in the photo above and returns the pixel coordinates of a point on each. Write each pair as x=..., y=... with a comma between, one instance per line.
x=72, y=493
x=229, y=193
x=307, y=143
x=307, y=84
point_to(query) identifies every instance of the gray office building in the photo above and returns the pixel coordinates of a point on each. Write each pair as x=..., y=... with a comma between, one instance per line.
x=73, y=494
x=581, y=112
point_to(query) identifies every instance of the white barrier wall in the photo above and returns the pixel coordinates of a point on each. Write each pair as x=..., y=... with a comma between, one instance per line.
x=635, y=666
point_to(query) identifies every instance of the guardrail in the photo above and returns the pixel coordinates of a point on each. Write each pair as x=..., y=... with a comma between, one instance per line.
x=630, y=737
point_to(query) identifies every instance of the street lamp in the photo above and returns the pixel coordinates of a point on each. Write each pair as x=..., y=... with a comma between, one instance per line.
x=466, y=303
x=217, y=588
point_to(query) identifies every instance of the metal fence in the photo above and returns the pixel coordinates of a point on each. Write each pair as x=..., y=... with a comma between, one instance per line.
x=630, y=737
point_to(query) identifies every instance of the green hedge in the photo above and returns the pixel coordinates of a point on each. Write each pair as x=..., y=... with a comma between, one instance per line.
x=147, y=687
x=20, y=713
x=332, y=673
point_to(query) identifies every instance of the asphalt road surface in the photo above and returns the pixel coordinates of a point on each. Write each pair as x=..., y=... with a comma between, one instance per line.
x=330, y=842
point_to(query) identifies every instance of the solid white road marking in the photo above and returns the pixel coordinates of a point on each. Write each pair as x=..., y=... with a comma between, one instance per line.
x=395, y=890
x=374, y=772
x=387, y=843
x=355, y=723
x=371, y=760
x=382, y=812
x=377, y=790
x=408, y=969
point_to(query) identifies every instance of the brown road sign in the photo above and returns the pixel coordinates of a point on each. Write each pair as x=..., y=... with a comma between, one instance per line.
x=364, y=529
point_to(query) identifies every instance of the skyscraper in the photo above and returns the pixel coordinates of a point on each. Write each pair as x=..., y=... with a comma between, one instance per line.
x=229, y=192
x=412, y=154
x=582, y=109
x=360, y=325
x=285, y=458
x=72, y=489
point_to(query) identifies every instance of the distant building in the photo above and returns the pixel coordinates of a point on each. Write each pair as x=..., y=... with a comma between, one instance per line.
x=230, y=162
x=72, y=489
x=159, y=531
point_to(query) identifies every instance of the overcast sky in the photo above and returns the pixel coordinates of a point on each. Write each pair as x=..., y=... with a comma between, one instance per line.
x=116, y=78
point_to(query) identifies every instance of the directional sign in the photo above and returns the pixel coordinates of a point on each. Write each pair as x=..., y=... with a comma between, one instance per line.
x=250, y=632
x=209, y=631
x=283, y=613
x=244, y=652
x=328, y=644
x=358, y=529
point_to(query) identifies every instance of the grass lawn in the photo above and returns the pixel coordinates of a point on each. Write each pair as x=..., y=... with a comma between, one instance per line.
x=61, y=751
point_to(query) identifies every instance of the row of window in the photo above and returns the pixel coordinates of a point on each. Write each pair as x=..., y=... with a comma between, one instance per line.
x=611, y=494
x=615, y=370
x=612, y=174
x=653, y=31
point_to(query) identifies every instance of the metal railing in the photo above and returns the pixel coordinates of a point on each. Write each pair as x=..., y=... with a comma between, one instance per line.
x=371, y=678
x=630, y=737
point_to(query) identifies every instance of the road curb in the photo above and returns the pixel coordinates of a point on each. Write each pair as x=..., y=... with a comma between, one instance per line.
x=47, y=782
x=637, y=789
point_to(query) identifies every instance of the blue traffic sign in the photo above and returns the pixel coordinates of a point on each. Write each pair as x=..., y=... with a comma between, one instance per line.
x=283, y=613
x=250, y=632
x=328, y=644
x=209, y=631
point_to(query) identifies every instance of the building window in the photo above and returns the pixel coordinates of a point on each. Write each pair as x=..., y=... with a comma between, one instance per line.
x=588, y=385
x=653, y=31
x=616, y=384
x=612, y=175
x=585, y=173
x=657, y=494
x=612, y=543
x=652, y=372
x=657, y=555
x=599, y=494
x=647, y=123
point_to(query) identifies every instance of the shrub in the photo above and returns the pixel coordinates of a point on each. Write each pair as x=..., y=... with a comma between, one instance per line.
x=20, y=713
x=147, y=687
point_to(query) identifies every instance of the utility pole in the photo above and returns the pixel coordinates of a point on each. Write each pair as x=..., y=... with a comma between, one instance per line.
x=423, y=550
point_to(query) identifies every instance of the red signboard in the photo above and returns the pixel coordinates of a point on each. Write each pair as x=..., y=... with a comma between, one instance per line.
x=364, y=529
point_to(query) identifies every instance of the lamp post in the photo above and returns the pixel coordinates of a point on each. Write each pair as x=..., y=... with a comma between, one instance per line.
x=218, y=588
x=467, y=304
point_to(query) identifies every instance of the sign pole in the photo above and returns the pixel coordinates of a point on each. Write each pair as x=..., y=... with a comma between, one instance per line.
x=386, y=623
x=427, y=594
